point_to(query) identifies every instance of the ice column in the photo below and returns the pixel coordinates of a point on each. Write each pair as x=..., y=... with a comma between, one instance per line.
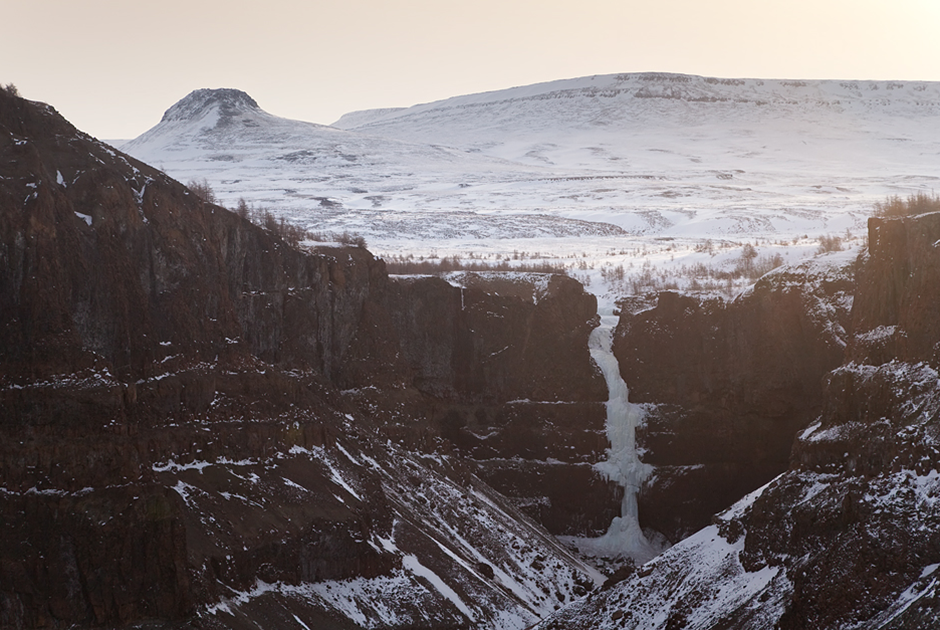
x=623, y=465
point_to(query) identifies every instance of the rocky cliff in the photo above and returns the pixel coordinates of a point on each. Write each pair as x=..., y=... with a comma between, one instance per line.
x=847, y=536
x=202, y=426
x=502, y=365
x=727, y=385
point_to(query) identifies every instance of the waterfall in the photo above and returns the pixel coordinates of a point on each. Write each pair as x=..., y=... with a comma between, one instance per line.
x=624, y=538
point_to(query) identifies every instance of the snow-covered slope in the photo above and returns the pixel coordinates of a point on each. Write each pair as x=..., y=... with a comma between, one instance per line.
x=631, y=102
x=733, y=155
x=715, y=590
x=461, y=556
x=327, y=178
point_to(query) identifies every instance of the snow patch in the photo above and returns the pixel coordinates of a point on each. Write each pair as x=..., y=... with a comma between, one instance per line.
x=412, y=564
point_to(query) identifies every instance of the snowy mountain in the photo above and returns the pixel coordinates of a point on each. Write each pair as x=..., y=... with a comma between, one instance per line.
x=735, y=156
x=654, y=154
x=328, y=178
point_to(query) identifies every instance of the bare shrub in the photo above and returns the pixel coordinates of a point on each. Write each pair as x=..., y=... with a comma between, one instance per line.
x=10, y=89
x=695, y=277
x=746, y=264
x=399, y=265
x=765, y=264
x=290, y=233
x=347, y=238
x=829, y=244
x=268, y=220
x=242, y=208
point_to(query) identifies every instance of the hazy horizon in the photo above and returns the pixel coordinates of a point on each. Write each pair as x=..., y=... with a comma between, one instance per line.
x=113, y=68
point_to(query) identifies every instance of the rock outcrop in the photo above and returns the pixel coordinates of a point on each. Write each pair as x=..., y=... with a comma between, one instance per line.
x=506, y=378
x=200, y=425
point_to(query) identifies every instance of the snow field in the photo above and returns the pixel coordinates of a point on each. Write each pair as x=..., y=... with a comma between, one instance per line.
x=653, y=165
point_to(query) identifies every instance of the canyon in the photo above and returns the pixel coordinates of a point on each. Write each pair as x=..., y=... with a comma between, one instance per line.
x=200, y=422
x=203, y=426
x=845, y=537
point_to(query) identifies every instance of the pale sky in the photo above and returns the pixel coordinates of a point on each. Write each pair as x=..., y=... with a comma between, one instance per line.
x=112, y=67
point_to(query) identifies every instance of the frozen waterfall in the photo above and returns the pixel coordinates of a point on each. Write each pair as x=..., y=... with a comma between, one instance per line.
x=624, y=538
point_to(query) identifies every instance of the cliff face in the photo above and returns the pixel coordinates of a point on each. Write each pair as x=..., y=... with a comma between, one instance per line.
x=107, y=260
x=847, y=537
x=506, y=378
x=870, y=537
x=728, y=385
x=203, y=425
x=896, y=308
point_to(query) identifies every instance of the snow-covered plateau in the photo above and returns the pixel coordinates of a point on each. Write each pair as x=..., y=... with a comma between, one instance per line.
x=659, y=174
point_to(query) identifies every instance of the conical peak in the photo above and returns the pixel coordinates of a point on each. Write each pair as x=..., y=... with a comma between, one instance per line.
x=195, y=104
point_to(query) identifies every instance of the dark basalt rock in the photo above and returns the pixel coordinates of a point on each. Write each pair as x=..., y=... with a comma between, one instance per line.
x=727, y=385
x=504, y=370
x=152, y=342
x=896, y=307
x=156, y=274
x=851, y=530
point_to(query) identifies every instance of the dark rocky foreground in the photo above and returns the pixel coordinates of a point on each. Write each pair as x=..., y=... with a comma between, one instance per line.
x=202, y=426
x=848, y=536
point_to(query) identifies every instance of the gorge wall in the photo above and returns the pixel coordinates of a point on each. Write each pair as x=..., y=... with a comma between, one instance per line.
x=202, y=425
x=727, y=385
x=846, y=537
x=505, y=377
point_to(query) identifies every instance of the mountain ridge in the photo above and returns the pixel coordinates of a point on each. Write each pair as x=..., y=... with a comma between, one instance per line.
x=683, y=87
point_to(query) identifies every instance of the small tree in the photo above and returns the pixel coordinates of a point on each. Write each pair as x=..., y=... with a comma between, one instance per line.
x=242, y=209
x=10, y=89
x=748, y=254
x=203, y=190
x=268, y=221
x=347, y=238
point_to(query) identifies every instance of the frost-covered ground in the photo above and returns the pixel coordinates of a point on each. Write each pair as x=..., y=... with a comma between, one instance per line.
x=655, y=173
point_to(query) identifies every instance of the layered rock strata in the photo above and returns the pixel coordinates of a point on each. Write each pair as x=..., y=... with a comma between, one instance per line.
x=727, y=385
x=847, y=536
x=204, y=426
